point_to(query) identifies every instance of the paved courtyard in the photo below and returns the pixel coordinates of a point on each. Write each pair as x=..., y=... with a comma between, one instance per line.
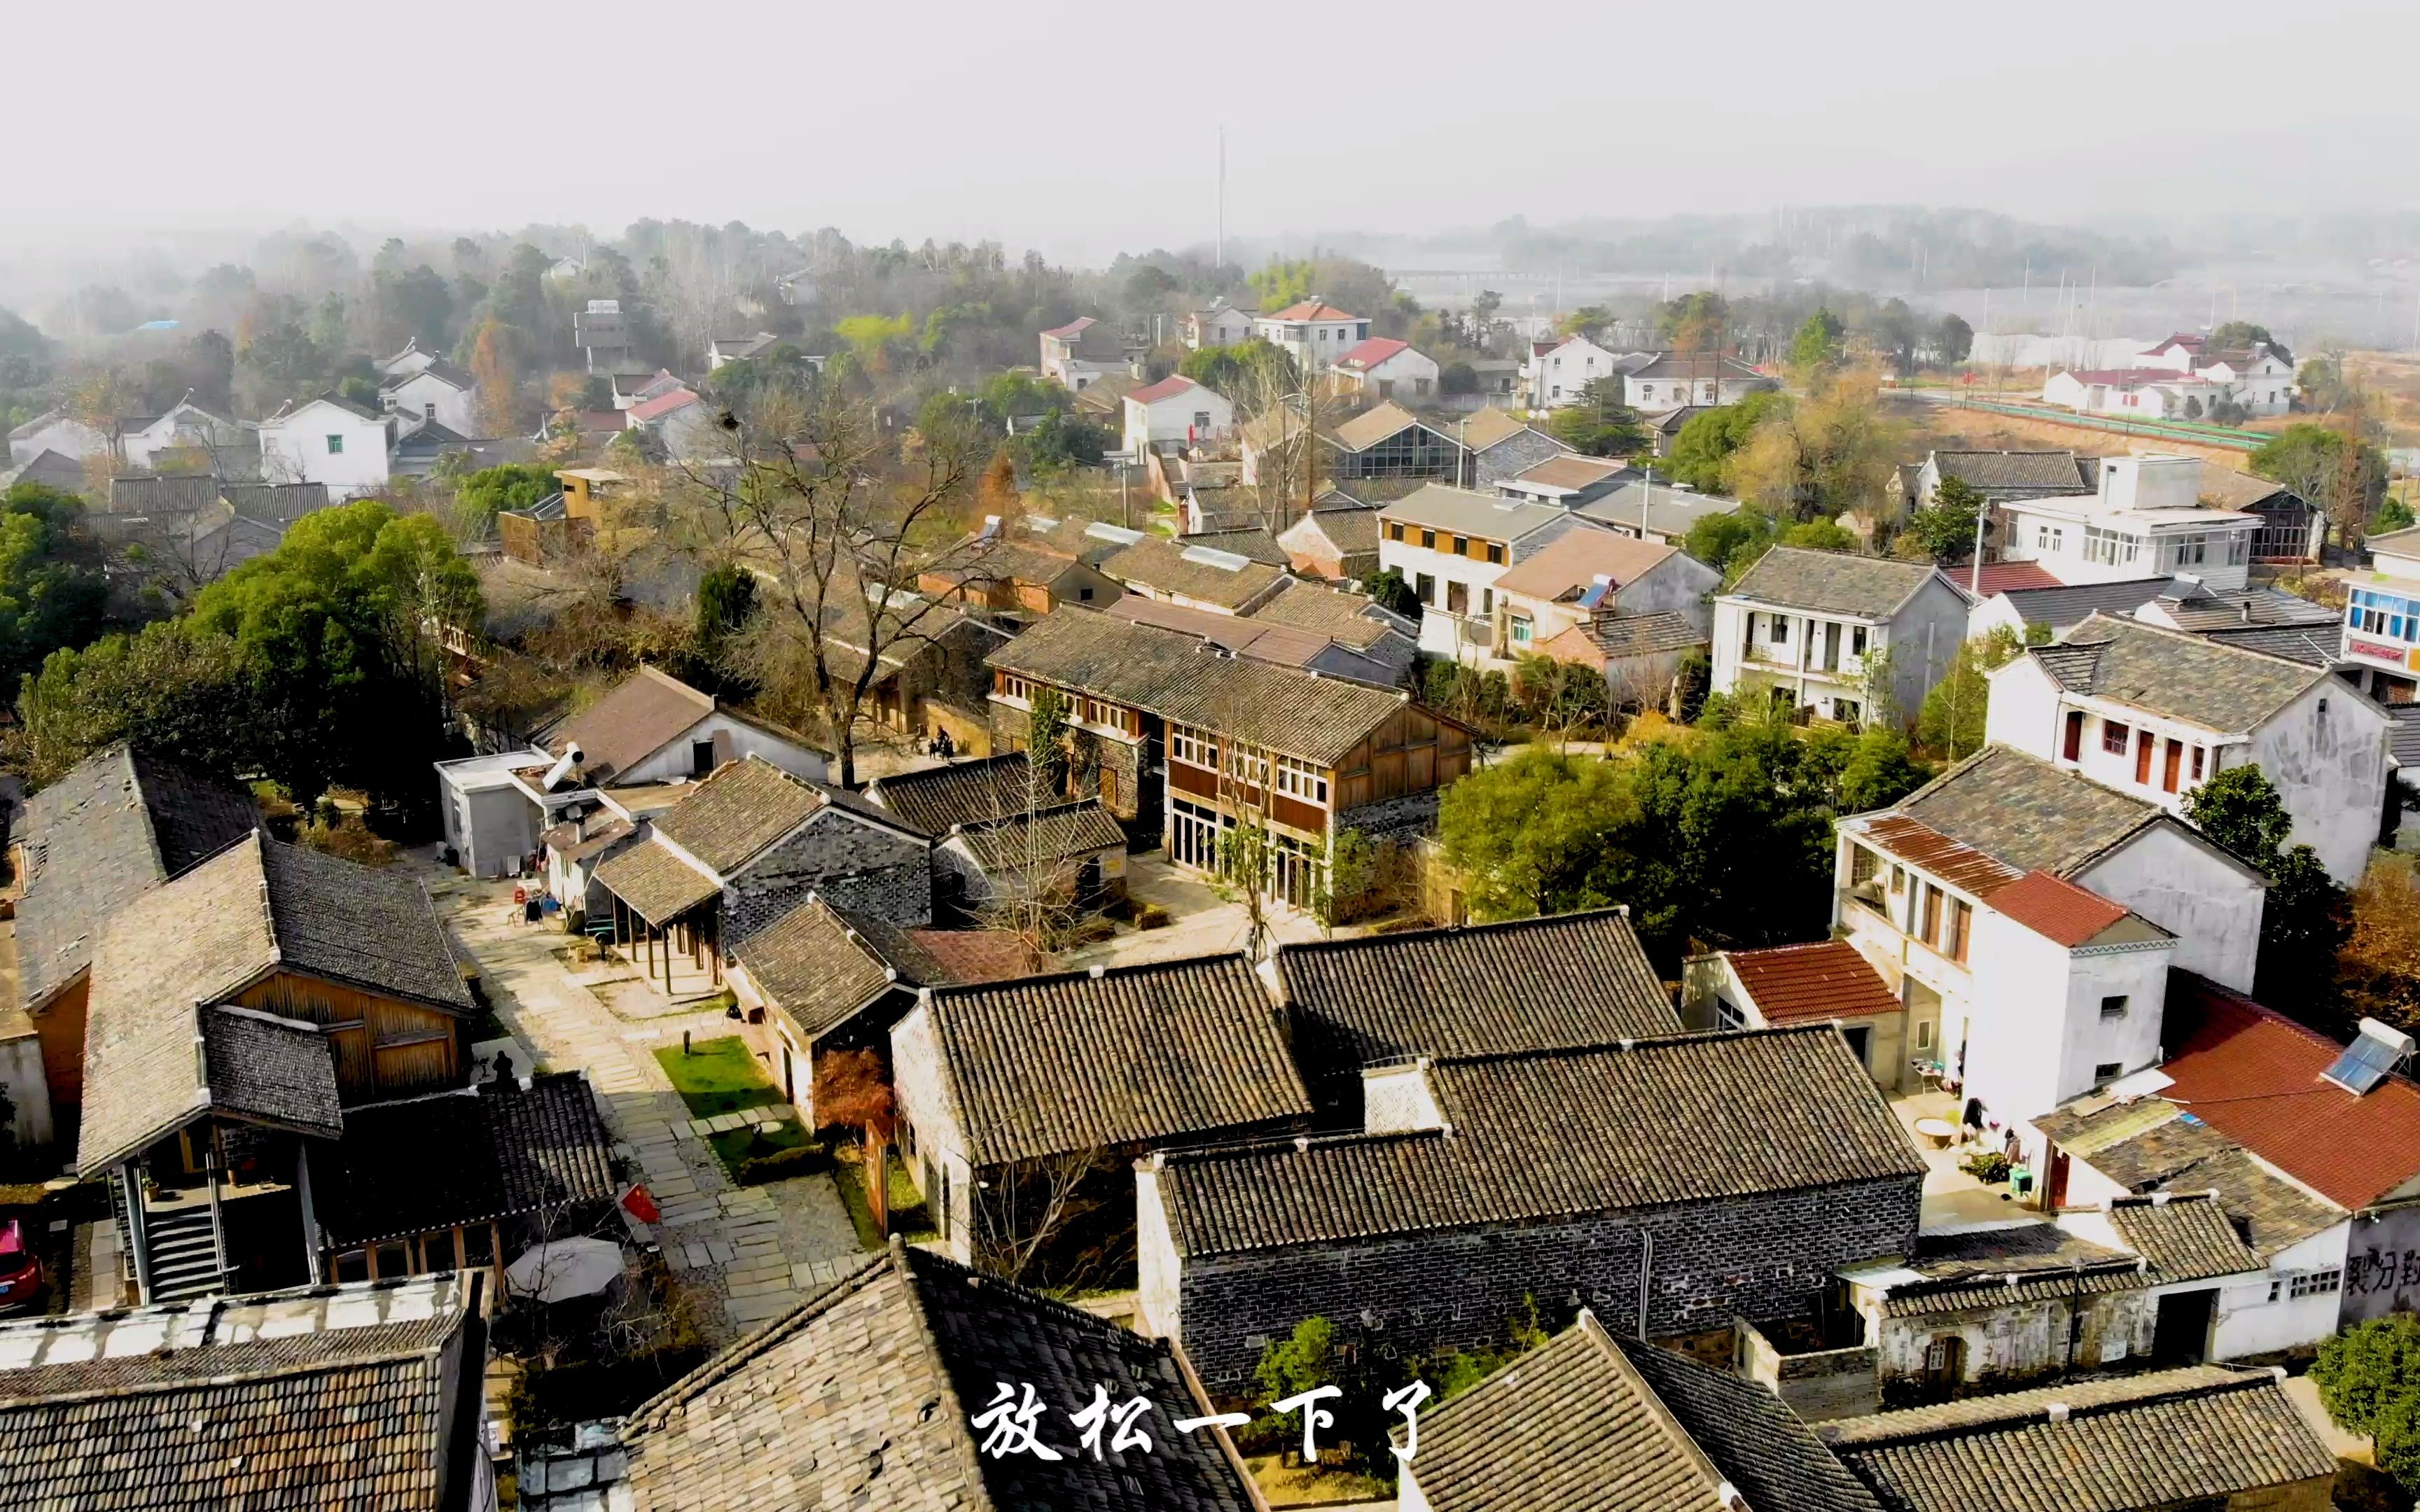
x=749, y=1253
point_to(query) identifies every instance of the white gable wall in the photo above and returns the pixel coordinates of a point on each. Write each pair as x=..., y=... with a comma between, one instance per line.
x=733, y=740
x=325, y=443
x=2180, y=882
x=425, y=395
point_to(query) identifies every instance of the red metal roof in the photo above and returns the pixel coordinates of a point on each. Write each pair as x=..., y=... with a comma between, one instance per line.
x=1073, y=328
x=1310, y=310
x=1793, y=983
x=1962, y=865
x=2253, y=1074
x=2003, y=576
x=1167, y=388
x=1369, y=353
x=664, y=405
x=2057, y=909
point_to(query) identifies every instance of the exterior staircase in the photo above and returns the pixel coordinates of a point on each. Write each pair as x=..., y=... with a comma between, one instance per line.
x=184, y=1255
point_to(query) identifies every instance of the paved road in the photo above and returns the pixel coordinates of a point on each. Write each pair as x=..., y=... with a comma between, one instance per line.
x=749, y=1254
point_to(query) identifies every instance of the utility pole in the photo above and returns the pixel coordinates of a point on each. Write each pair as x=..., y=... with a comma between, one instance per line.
x=1222, y=197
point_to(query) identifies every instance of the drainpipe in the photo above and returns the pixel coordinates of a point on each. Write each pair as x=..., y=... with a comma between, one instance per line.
x=137, y=1237
x=1645, y=1274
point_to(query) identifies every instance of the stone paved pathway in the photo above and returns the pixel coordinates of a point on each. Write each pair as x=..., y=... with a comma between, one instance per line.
x=749, y=1253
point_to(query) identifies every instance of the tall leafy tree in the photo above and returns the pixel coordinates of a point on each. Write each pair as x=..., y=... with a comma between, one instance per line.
x=53, y=592
x=1817, y=344
x=2306, y=917
x=1600, y=424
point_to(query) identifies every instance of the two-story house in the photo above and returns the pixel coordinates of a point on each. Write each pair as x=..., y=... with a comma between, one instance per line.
x=1496, y=446
x=2145, y=520
x=2381, y=618
x=1630, y=609
x=438, y=391
x=330, y=440
x=1313, y=333
x=1175, y=412
x=1667, y=379
x=1075, y=354
x=1385, y=368
x=1920, y=892
x=1837, y=633
x=1222, y=325
x=2154, y=712
x=1451, y=544
x=1183, y=740
x=148, y=440
x=1558, y=371
x=1390, y=441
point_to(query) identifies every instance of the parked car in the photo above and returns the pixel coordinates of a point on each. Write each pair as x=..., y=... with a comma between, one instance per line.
x=20, y=1270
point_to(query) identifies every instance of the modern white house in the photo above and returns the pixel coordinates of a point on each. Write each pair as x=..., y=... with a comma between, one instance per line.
x=1175, y=413
x=1585, y=577
x=1559, y=371
x=1667, y=381
x=2146, y=519
x=1313, y=333
x=55, y=430
x=405, y=362
x=1831, y=632
x=1385, y=368
x=435, y=390
x=329, y=440
x=1451, y=544
x=2154, y=712
x=2381, y=621
x=2179, y=379
x=1075, y=354
x=1222, y=325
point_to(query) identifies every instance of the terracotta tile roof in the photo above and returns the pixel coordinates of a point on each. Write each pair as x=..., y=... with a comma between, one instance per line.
x=1572, y=980
x=1170, y=387
x=662, y=405
x=2253, y=1074
x=1619, y=636
x=1829, y=979
x=1920, y=846
x=351, y=1395
x=1577, y=558
x=2186, y=1236
x=1307, y=310
x=643, y=713
x=2168, y=1438
x=490, y=1151
x=1369, y=354
x=2055, y=909
x=864, y=1397
x=1591, y=1422
x=2177, y=675
x=2003, y=576
x=1685, y=1119
x=1131, y=1055
x=1073, y=328
x=116, y=826
x=1833, y=583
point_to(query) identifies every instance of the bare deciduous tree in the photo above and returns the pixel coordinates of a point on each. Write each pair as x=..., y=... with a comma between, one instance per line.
x=1027, y=1213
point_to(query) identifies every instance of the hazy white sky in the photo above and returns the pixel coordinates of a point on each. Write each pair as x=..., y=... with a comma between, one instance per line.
x=1083, y=130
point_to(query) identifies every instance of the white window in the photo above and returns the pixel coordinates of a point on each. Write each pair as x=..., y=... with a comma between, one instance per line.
x=1248, y=768
x=1302, y=780
x=1192, y=747
x=1017, y=688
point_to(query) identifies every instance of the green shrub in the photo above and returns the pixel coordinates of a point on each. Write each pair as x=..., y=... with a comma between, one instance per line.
x=1989, y=1167
x=781, y=1164
x=1152, y=915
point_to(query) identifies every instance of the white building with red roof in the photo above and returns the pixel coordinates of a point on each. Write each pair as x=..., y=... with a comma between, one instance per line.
x=1173, y=412
x=2179, y=379
x=1314, y=332
x=1385, y=368
x=1075, y=354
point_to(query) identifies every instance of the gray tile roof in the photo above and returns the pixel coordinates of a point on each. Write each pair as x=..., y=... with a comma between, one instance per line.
x=2203, y=611
x=1170, y=1052
x=119, y=824
x=959, y=792
x=273, y=1069
x=2403, y=738
x=1171, y=567
x=816, y=967
x=1992, y=1268
x=743, y=807
x=2026, y=812
x=2184, y=1236
x=1248, y=539
x=2176, y=675
x=255, y=908
x=275, y=503
x=2315, y=646
x=2060, y=607
x=2125, y=1444
x=1084, y=826
x=1177, y=676
x=862, y=1398
x=1670, y=510
x=1833, y=583
x=1348, y=619
x=495, y=1151
x=638, y=716
x=1482, y=989
x=170, y=493
x=1591, y=1422
x=1562, y=1133
x=1617, y=637
x=2145, y=1147
x=661, y=887
x=1348, y=528
x=1440, y=507
x=2012, y=473
x=334, y=1396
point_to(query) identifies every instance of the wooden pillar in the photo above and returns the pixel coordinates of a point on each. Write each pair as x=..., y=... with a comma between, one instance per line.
x=310, y=1256
x=460, y=1254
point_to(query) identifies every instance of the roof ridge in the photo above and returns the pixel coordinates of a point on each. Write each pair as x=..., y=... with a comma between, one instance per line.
x=1630, y=1046
x=2013, y=1410
x=1434, y=930
x=2174, y=634
x=425, y=1354
x=747, y=1346
x=1093, y=973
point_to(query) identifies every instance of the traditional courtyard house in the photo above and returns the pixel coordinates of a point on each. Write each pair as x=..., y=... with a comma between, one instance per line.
x=1568, y=481
x=2209, y=1435
x=1390, y=441
x=354, y=1395
x=436, y=391
x=1238, y=739
x=819, y=979
x=1596, y=1420
x=2025, y=916
x=1451, y=544
x=329, y=440
x=117, y=825
x=2154, y=712
x=237, y=1011
x=1999, y=476
x=1555, y=1177
x=187, y=428
x=650, y=728
x=2309, y=1147
x=1313, y=332
x=1669, y=379
x=740, y=850
x=405, y=362
x=1175, y=412
x=1496, y=446
x=1337, y=541
x=1788, y=985
x=1849, y=637
x=869, y=1395
x=1628, y=607
x=1385, y=368
x=2146, y=519
x=1562, y=983
x=1006, y=842
x=1028, y=566
x=1014, y=1094
x=1194, y=575
x=464, y=1180
x=929, y=677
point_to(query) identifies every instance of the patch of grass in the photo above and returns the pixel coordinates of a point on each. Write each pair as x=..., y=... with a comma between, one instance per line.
x=717, y=1076
x=908, y=1217
x=737, y=1148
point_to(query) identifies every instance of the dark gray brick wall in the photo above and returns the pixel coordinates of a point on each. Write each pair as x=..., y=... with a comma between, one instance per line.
x=1397, y=819
x=1768, y=1260
x=852, y=863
